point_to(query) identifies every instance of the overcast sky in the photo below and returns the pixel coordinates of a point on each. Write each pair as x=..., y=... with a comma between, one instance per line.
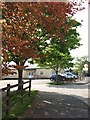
x=82, y=15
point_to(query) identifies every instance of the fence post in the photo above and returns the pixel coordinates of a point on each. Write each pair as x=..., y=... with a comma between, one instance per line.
x=8, y=100
x=29, y=87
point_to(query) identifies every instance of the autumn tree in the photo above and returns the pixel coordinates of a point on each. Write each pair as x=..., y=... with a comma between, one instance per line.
x=22, y=20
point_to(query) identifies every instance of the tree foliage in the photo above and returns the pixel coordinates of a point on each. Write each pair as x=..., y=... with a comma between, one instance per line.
x=80, y=62
x=21, y=23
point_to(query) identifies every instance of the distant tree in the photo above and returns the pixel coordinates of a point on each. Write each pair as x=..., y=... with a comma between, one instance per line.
x=80, y=62
x=56, y=61
x=57, y=53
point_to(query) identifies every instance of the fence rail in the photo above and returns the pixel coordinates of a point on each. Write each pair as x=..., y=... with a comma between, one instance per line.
x=7, y=89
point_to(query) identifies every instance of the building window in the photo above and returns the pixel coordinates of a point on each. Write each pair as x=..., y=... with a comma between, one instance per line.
x=41, y=72
x=31, y=73
x=53, y=72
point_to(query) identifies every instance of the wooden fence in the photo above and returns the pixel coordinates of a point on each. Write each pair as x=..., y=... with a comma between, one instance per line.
x=7, y=91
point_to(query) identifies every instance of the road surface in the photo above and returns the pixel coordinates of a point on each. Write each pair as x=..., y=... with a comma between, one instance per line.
x=80, y=91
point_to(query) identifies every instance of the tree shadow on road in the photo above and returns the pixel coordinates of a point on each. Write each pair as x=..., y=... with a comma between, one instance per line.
x=55, y=105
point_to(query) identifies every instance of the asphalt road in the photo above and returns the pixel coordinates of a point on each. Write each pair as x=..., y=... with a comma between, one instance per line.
x=80, y=91
x=55, y=105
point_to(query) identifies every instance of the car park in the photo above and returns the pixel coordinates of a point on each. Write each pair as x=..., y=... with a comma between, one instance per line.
x=63, y=77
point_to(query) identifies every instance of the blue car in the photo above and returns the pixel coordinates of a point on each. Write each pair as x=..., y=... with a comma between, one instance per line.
x=60, y=77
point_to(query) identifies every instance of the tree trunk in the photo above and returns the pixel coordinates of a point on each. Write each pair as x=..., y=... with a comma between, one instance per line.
x=57, y=74
x=20, y=78
x=89, y=68
x=57, y=77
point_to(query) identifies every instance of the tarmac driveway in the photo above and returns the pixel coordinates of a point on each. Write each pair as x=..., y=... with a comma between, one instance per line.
x=55, y=105
x=61, y=101
x=80, y=91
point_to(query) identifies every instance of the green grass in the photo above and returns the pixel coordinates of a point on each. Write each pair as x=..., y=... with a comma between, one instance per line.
x=19, y=108
x=56, y=83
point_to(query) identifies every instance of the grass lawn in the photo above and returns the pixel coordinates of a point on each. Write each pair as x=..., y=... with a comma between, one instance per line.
x=19, y=108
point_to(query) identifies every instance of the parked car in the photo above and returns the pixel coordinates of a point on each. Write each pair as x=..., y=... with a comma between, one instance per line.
x=60, y=77
x=69, y=75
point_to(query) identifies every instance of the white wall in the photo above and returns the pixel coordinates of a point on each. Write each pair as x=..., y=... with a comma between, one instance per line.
x=44, y=72
x=26, y=73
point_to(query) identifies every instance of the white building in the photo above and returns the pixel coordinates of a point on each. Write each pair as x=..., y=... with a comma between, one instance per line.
x=36, y=72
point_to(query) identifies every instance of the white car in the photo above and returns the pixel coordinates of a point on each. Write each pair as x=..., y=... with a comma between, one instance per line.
x=70, y=75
